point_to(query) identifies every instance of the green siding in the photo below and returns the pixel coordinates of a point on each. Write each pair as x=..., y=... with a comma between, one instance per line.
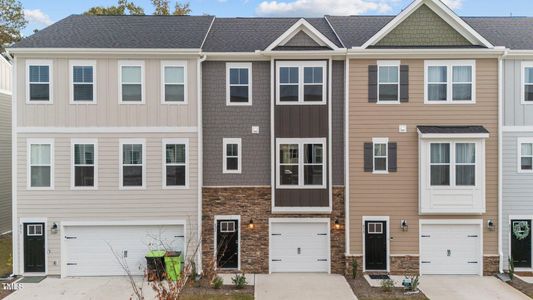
x=424, y=28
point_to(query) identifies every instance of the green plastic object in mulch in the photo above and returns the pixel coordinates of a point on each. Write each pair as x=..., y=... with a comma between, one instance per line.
x=156, y=253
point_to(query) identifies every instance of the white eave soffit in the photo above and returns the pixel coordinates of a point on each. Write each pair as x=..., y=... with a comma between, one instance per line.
x=448, y=15
x=307, y=28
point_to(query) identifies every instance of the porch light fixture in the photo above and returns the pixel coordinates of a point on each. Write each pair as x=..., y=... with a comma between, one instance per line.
x=251, y=224
x=403, y=225
x=490, y=225
x=337, y=224
x=54, y=228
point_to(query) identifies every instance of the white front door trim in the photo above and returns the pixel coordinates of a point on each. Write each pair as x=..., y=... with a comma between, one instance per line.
x=376, y=218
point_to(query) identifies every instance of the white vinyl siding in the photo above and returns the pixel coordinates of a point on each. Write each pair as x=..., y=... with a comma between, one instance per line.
x=131, y=82
x=82, y=81
x=450, y=82
x=39, y=82
x=238, y=83
x=173, y=82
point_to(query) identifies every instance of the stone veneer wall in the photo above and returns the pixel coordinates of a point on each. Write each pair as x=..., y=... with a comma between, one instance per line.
x=491, y=265
x=255, y=203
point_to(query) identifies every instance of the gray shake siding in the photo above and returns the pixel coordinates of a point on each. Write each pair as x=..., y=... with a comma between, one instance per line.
x=222, y=121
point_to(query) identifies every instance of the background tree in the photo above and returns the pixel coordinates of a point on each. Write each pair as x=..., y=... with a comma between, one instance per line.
x=116, y=10
x=162, y=8
x=12, y=21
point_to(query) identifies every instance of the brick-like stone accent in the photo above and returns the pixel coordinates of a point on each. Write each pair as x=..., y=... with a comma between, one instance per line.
x=349, y=264
x=255, y=203
x=491, y=265
x=404, y=265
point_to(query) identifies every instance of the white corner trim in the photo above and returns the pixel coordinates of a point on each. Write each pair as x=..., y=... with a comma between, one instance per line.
x=313, y=33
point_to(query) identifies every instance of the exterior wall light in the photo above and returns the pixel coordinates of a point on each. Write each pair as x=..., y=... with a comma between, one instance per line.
x=403, y=225
x=490, y=225
x=251, y=224
x=54, y=228
x=337, y=224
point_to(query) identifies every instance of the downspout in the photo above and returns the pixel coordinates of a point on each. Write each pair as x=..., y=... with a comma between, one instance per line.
x=500, y=158
x=346, y=157
x=202, y=58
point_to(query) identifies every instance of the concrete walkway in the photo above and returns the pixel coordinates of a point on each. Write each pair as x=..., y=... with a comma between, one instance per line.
x=302, y=286
x=456, y=287
x=86, y=288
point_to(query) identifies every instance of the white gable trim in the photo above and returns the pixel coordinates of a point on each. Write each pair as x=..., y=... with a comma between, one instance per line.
x=306, y=27
x=440, y=9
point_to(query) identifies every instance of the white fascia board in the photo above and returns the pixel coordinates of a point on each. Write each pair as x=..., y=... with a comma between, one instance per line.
x=104, y=50
x=315, y=35
x=453, y=135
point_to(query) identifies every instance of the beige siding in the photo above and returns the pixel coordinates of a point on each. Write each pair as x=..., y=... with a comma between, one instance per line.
x=108, y=202
x=396, y=194
x=107, y=112
x=5, y=163
x=5, y=75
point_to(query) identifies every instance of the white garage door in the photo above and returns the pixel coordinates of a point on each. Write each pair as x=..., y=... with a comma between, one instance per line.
x=96, y=250
x=299, y=247
x=450, y=249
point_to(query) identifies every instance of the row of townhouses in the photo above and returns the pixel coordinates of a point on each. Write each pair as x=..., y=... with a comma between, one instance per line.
x=402, y=143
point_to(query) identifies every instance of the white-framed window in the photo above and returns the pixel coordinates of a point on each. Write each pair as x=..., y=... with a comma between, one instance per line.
x=39, y=75
x=301, y=163
x=527, y=82
x=238, y=83
x=84, y=164
x=388, y=81
x=174, y=82
x=131, y=82
x=375, y=228
x=82, y=81
x=175, y=163
x=40, y=164
x=227, y=226
x=450, y=82
x=301, y=82
x=381, y=152
x=525, y=155
x=453, y=164
x=34, y=229
x=231, y=155
x=132, y=164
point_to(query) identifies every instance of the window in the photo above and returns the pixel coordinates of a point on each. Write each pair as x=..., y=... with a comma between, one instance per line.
x=462, y=172
x=301, y=163
x=375, y=228
x=527, y=90
x=301, y=82
x=175, y=153
x=34, y=230
x=525, y=155
x=132, y=158
x=41, y=161
x=238, y=84
x=389, y=81
x=227, y=226
x=380, y=146
x=450, y=81
x=83, y=89
x=39, y=88
x=84, y=173
x=131, y=75
x=231, y=162
x=173, y=82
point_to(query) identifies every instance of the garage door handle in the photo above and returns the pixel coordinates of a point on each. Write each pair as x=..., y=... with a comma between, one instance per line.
x=425, y=235
x=322, y=259
x=475, y=235
x=426, y=262
x=72, y=264
x=472, y=262
x=71, y=237
x=321, y=234
x=276, y=234
x=276, y=260
x=180, y=236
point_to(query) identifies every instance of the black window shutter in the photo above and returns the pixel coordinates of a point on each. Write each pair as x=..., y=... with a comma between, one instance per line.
x=369, y=157
x=393, y=157
x=404, y=83
x=373, y=83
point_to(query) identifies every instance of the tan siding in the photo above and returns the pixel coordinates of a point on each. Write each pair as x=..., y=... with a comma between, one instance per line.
x=396, y=194
x=107, y=111
x=5, y=163
x=108, y=202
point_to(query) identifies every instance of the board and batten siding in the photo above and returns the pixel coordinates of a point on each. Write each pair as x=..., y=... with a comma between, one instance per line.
x=515, y=113
x=107, y=112
x=5, y=76
x=108, y=202
x=517, y=188
x=5, y=163
x=396, y=194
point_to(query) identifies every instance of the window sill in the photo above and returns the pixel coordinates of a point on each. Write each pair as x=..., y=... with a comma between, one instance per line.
x=301, y=103
x=449, y=102
x=380, y=172
x=83, y=188
x=174, y=102
x=176, y=187
x=79, y=102
x=239, y=104
x=395, y=102
x=39, y=102
x=301, y=187
x=133, y=188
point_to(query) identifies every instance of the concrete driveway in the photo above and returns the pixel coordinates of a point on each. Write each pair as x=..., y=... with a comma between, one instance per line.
x=85, y=288
x=304, y=286
x=458, y=287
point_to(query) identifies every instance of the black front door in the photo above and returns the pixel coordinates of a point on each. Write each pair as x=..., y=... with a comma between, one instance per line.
x=228, y=244
x=34, y=251
x=521, y=243
x=375, y=245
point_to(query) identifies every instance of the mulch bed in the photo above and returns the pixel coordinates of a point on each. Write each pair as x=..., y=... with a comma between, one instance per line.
x=202, y=289
x=524, y=287
x=364, y=291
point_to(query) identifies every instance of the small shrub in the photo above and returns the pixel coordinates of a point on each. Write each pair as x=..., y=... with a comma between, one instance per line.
x=217, y=282
x=511, y=267
x=415, y=280
x=354, y=268
x=387, y=285
x=239, y=280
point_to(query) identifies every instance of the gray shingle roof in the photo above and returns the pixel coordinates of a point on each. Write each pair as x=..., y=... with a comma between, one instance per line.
x=250, y=34
x=452, y=129
x=79, y=31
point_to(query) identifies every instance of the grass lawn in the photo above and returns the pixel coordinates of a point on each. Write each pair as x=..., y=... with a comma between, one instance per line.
x=5, y=254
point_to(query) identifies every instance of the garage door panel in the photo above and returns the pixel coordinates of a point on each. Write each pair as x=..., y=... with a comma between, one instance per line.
x=98, y=250
x=299, y=247
x=450, y=249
